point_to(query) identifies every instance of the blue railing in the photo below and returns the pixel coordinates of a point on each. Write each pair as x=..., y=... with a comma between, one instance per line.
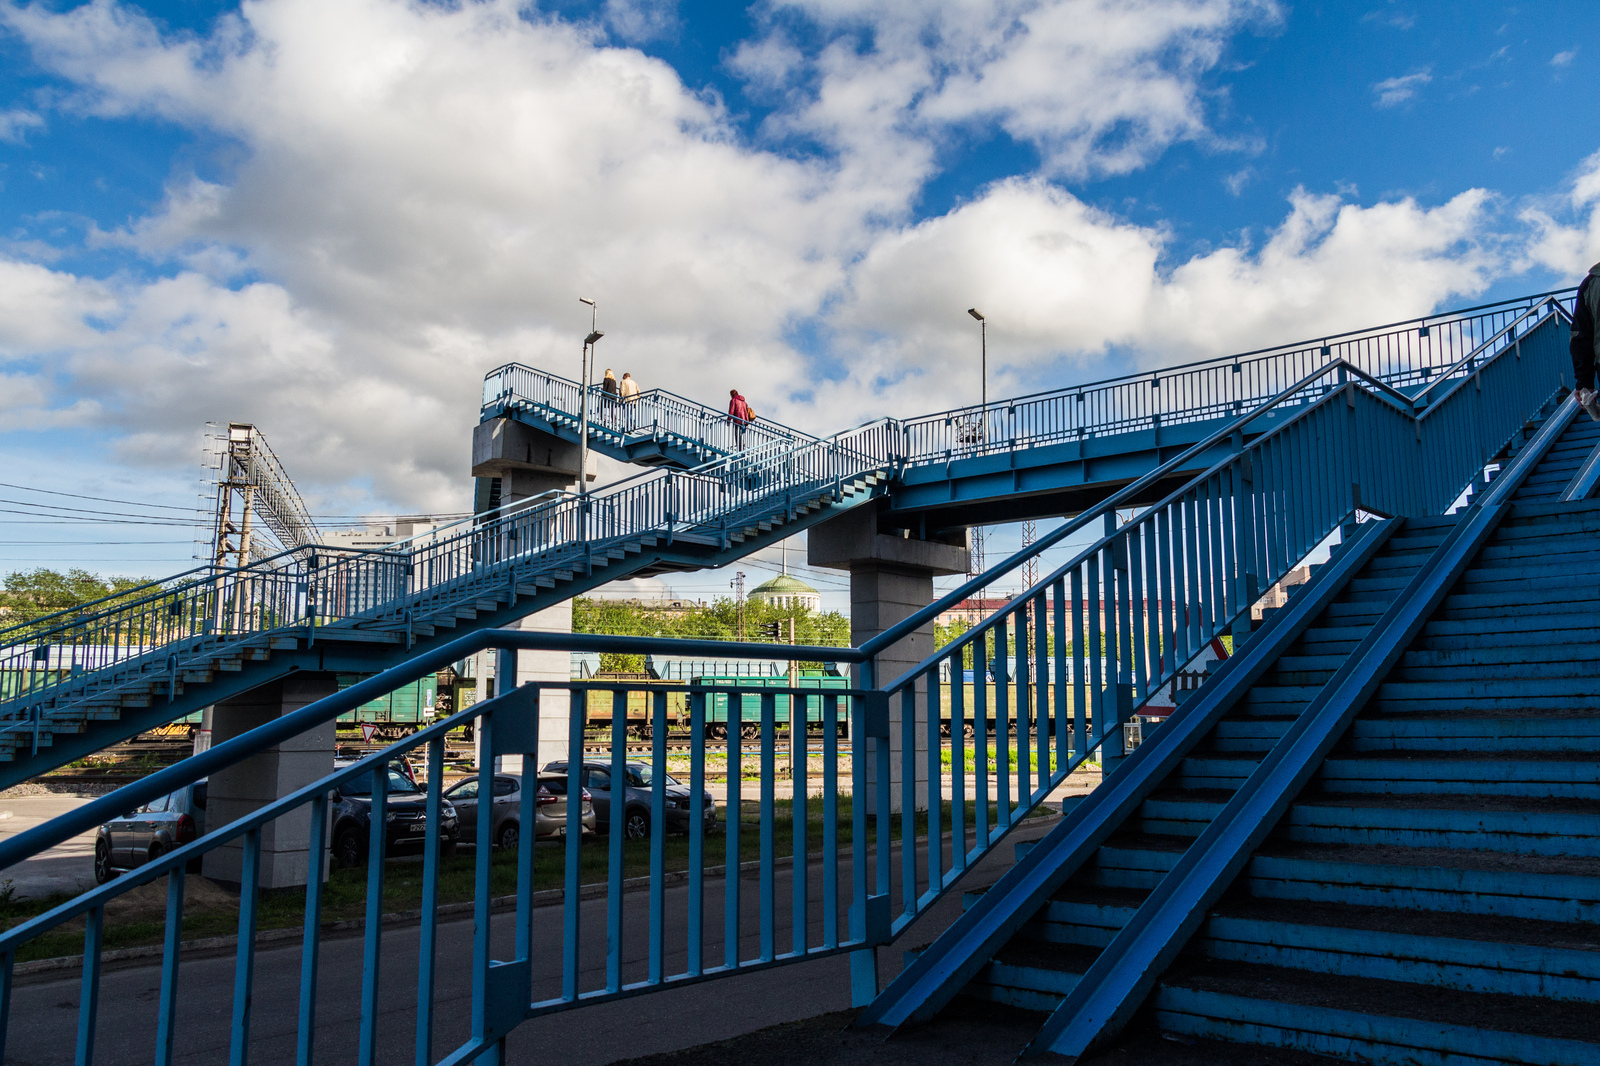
x=1141, y=599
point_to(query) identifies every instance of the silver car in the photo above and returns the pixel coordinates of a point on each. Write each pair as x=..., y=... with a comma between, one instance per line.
x=550, y=809
x=149, y=832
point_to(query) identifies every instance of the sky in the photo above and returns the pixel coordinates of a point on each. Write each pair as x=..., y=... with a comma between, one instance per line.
x=332, y=217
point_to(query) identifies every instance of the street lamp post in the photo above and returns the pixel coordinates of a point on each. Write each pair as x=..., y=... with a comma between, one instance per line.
x=975, y=558
x=583, y=400
x=983, y=387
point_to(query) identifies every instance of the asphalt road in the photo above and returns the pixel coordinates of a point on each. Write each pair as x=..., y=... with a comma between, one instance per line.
x=67, y=867
x=44, y=1012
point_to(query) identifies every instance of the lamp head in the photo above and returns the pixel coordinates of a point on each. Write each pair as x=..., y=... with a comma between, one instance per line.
x=973, y=311
x=585, y=300
x=591, y=338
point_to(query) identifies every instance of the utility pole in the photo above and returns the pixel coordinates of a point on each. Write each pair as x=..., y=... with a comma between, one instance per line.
x=738, y=594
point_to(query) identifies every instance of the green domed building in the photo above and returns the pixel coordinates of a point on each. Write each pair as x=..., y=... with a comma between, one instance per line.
x=788, y=591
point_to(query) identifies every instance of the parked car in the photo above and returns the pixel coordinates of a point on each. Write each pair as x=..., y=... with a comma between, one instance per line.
x=636, y=798
x=550, y=809
x=406, y=821
x=149, y=832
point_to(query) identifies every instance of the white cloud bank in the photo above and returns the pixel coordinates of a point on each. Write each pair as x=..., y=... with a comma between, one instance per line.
x=423, y=191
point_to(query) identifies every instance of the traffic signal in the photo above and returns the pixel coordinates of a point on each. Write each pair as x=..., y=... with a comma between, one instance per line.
x=772, y=631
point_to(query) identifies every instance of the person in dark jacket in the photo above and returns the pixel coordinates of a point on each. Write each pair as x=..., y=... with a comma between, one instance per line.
x=1585, y=342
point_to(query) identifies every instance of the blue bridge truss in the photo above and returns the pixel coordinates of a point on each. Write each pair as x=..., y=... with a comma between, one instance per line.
x=1370, y=833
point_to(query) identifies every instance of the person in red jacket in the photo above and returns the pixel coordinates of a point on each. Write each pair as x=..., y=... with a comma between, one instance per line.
x=738, y=414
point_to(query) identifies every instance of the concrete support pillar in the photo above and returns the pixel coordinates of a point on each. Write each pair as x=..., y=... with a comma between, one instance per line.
x=891, y=578
x=253, y=783
x=529, y=462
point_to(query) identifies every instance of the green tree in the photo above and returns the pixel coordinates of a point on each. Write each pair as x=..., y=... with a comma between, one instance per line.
x=717, y=621
x=31, y=594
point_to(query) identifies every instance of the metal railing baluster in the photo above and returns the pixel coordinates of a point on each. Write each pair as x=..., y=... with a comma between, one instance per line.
x=697, y=834
x=244, y=969
x=799, y=756
x=89, y=985
x=769, y=770
x=171, y=944
x=658, y=833
x=572, y=890
x=377, y=856
x=730, y=880
x=428, y=931
x=617, y=827
x=830, y=821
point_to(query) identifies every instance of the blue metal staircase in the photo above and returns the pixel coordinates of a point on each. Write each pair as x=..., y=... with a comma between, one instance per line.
x=1350, y=777
x=1424, y=887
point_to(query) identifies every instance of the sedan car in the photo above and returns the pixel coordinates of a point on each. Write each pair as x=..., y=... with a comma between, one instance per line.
x=149, y=832
x=406, y=818
x=550, y=809
x=636, y=798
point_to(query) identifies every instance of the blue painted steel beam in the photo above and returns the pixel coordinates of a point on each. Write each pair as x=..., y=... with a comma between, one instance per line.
x=934, y=978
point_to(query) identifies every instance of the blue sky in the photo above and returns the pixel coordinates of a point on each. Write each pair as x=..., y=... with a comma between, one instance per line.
x=332, y=216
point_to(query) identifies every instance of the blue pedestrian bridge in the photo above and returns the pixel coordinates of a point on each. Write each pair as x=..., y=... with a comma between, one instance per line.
x=1372, y=832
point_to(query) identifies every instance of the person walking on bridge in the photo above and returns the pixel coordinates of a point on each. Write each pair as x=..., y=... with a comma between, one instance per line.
x=628, y=390
x=738, y=414
x=1585, y=342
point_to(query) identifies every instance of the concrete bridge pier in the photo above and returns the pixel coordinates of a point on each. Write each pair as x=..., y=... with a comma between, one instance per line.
x=529, y=462
x=257, y=781
x=891, y=578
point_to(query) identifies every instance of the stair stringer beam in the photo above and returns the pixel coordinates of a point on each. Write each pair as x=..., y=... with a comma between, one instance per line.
x=929, y=983
x=1116, y=985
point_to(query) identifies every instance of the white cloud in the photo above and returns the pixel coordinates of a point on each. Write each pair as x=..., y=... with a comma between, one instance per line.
x=1098, y=86
x=1236, y=181
x=1394, y=91
x=1562, y=59
x=14, y=123
x=1057, y=278
x=1568, y=229
x=422, y=191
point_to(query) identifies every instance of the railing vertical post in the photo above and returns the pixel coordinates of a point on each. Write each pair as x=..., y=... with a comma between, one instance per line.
x=427, y=939
x=830, y=821
x=769, y=769
x=730, y=879
x=572, y=873
x=172, y=940
x=483, y=873
x=89, y=987
x=864, y=960
x=1002, y=726
x=697, y=833
x=799, y=755
x=958, y=761
x=657, y=702
x=245, y=959
x=617, y=826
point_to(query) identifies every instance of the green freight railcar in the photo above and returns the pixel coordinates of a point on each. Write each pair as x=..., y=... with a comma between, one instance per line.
x=407, y=705
x=749, y=713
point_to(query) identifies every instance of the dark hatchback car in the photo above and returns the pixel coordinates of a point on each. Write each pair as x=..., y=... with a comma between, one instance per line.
x=407, y=818
x=636, y=798
x=149, y=832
